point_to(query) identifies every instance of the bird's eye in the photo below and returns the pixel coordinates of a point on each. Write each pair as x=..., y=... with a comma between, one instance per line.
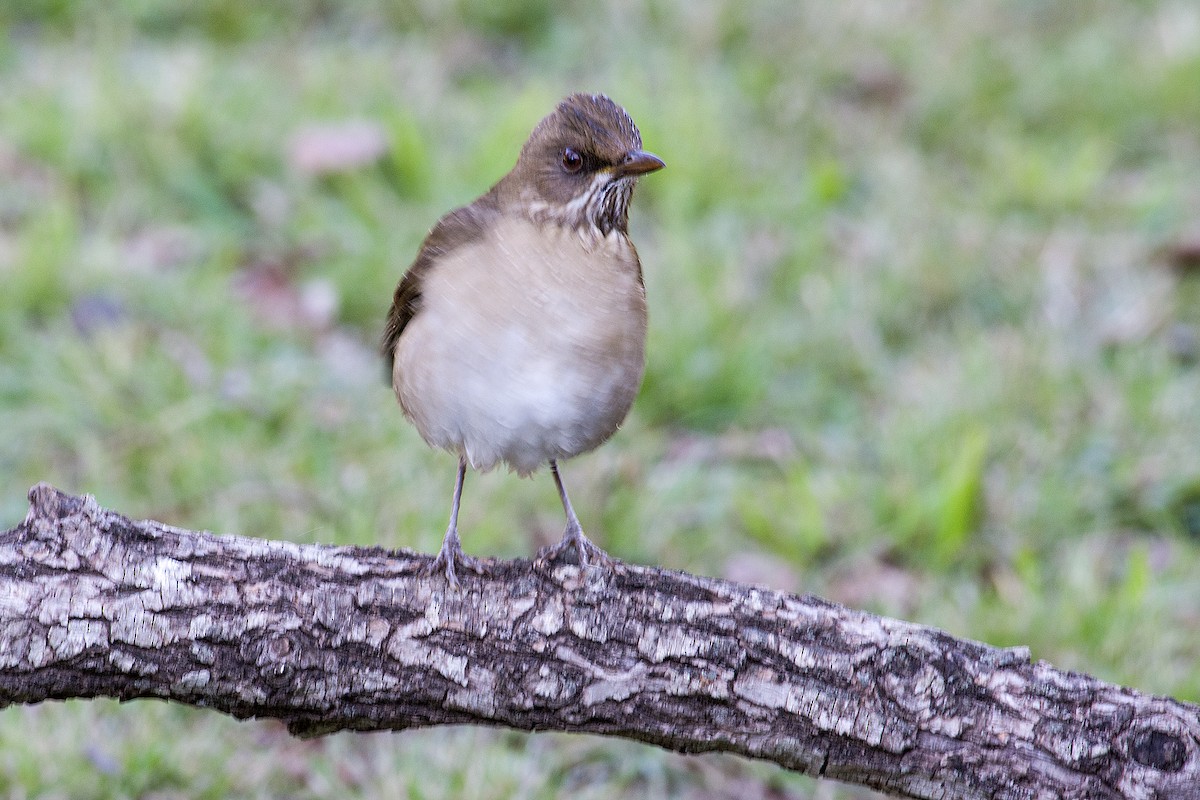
x=571, y=161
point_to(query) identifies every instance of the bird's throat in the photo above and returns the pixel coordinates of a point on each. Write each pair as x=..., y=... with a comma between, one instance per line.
x=600, y=210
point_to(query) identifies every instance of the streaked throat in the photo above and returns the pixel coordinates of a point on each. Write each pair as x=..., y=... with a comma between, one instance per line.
x=601, y=209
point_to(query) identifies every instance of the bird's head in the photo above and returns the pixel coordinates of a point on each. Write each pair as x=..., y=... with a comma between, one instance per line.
x=580, y=165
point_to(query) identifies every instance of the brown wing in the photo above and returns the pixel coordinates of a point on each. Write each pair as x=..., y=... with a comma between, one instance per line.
x=460, y=227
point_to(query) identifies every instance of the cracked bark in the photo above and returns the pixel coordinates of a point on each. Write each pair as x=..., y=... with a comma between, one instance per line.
x=330, y=638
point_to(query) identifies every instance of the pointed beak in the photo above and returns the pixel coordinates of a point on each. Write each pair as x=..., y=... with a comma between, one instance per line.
x=638, y=162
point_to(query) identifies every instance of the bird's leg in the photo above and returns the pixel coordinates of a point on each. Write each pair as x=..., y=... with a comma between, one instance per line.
x=573, y=535
x=451, y=551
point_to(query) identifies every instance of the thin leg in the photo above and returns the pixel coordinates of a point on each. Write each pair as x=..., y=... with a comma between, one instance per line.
x=574, y=529
x=573, y=535
x=451, y=551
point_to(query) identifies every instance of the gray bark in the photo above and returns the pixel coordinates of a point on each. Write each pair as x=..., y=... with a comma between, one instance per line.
x=330, y=638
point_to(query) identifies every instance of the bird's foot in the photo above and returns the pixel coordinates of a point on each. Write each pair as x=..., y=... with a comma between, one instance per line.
x=573, y=539
x=450, y=555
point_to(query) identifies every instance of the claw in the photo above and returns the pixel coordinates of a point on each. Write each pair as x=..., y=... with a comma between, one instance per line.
x=573, y=539
x=450, y=554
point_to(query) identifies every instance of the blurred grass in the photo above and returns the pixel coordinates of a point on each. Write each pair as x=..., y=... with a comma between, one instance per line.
x=914, y=341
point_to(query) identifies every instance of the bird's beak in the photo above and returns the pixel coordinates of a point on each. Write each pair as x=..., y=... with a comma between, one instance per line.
x=638, y=162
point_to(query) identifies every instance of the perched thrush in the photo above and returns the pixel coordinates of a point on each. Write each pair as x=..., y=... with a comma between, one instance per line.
x=518, y=334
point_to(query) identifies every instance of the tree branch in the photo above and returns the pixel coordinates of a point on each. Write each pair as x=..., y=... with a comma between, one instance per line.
x=329, y=638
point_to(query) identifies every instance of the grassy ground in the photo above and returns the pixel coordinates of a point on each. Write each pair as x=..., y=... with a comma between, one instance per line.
x=925, y=328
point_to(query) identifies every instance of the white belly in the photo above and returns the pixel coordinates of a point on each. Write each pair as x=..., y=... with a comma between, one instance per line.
x=526, y=347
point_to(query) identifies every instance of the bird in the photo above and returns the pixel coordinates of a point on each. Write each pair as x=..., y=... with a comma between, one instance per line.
x=517, y=336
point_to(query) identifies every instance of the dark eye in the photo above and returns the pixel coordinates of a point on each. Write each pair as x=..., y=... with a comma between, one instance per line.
x=571, y=161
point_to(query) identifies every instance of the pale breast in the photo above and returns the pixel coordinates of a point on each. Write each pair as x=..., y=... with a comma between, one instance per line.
x=528, y=345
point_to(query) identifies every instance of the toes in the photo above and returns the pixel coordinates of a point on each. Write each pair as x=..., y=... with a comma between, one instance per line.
x=590, y=553
x=444, y=564
x=549, y=553
x=586, y=552
x=449, y=559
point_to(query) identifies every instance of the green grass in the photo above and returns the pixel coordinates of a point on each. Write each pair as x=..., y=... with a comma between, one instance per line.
x=913, y=340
